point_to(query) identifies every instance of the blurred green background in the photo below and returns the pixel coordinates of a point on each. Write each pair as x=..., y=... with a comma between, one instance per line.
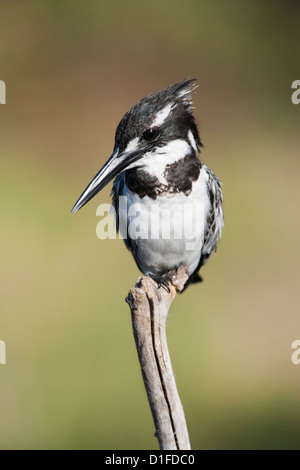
x=72, y=69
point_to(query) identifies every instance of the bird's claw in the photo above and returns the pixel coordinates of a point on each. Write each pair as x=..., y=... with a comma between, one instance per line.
x=161, y=282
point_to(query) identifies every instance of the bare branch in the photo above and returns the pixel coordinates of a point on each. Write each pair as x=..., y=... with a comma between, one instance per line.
x=149, y=310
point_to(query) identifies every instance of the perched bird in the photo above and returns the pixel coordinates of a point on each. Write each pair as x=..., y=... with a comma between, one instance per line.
x=160, y=177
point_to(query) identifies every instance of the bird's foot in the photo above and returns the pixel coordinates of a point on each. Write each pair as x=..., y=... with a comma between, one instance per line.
x=161, y=281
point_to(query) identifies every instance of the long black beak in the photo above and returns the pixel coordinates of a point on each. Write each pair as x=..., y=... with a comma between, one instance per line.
x=113, y=167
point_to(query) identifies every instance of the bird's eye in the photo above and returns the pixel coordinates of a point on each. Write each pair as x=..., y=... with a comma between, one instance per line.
x=151, y=134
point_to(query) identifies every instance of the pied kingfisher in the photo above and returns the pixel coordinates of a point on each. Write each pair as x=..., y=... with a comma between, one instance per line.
x=155, y=162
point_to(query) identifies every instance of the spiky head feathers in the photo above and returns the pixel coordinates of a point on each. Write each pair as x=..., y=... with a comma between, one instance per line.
x=168, y=111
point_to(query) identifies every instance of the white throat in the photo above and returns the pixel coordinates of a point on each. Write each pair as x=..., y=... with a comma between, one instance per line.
x=155, y=162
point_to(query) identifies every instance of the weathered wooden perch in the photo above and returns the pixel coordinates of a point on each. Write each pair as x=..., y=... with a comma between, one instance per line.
x=149, y=310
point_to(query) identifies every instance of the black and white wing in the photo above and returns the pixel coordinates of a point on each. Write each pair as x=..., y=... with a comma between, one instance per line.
x=214, y=219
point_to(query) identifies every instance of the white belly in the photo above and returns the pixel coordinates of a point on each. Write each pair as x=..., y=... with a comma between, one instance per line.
x=167, y=231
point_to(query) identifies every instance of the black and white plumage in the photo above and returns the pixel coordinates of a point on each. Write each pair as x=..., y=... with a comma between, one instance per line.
x=155, y=162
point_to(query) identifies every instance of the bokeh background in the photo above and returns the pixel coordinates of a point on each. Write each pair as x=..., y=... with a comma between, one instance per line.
x=72, y=69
